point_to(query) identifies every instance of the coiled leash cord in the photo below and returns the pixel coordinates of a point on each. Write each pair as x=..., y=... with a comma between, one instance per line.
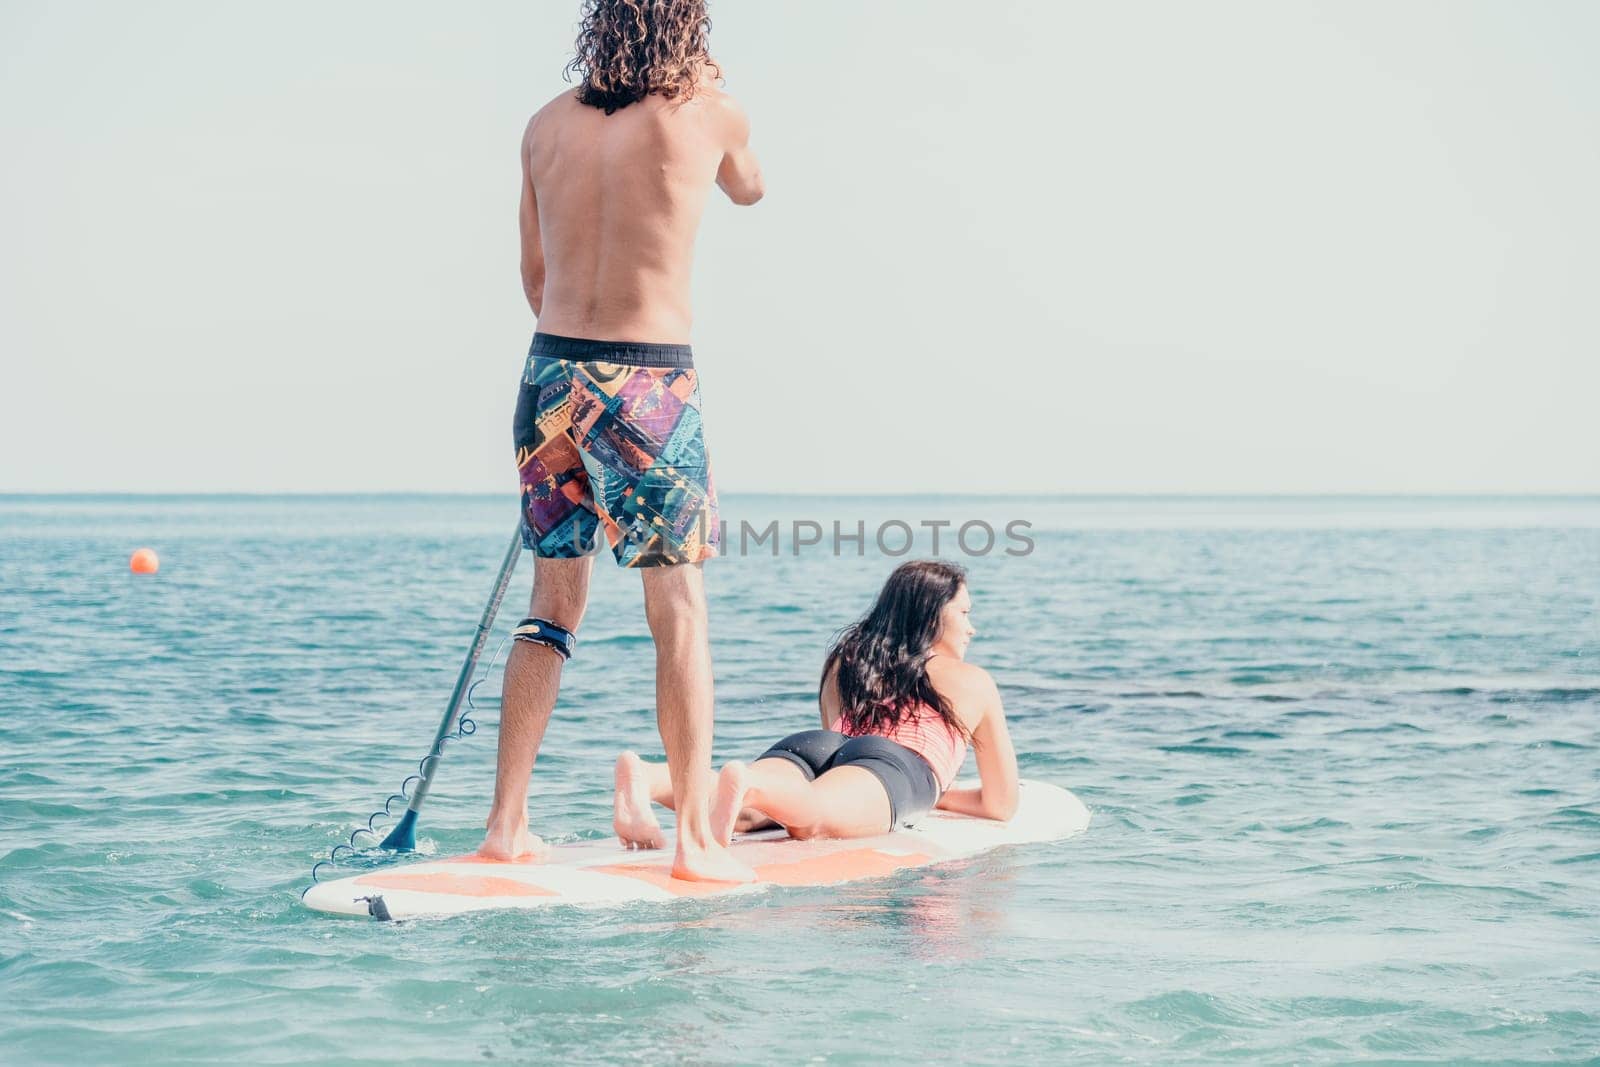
x=551, y=635
x=414, y=790
x=466, y=726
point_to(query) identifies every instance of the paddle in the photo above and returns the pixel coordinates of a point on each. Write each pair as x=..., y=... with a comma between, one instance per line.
x=403, y=838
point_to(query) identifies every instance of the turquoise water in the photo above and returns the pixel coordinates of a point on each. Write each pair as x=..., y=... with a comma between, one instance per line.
x=1343, y=757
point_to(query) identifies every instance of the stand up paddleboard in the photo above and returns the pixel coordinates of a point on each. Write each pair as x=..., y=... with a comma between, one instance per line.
x=604, y=874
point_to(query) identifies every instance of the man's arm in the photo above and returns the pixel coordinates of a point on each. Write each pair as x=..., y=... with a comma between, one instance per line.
x=739, y=175
x=528, y=223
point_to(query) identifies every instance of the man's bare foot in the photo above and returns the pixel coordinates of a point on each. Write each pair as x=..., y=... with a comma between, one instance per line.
x=728, y=801
x=513, y=844
x=631, y=816
x=710, y=864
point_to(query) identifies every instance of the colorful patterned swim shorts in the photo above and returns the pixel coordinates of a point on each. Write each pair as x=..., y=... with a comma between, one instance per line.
x=608, y=439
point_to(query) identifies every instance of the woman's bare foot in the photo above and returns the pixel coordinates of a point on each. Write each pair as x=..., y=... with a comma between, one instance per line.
x=512, y=843
x=710, y=864
x=631, y=815
x=728, y=801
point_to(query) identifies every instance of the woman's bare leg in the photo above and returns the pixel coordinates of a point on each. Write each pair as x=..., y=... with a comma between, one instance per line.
x=640, y=784
x=844, y=802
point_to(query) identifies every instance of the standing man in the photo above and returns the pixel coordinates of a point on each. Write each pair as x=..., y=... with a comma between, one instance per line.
x=607, y=428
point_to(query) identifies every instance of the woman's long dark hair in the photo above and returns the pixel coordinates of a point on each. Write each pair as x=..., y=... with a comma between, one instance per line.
x=628, y=49
x=883, y=659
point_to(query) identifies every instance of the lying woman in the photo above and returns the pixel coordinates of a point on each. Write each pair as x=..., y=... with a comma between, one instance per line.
x=899, y=707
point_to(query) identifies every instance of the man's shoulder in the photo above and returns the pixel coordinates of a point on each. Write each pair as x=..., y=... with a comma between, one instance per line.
x=721, y=106
x=554, y=106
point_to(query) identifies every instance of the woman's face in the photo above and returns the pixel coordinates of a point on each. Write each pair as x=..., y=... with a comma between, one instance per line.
x=955, y=625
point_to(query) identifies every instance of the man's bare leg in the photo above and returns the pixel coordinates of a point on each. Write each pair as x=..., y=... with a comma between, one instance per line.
x=675, y=605
x=532, y=682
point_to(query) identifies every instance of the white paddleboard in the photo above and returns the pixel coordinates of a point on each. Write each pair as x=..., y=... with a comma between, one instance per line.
x=603, y=873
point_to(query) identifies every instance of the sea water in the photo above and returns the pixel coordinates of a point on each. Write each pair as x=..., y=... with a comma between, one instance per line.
x=1343, y=759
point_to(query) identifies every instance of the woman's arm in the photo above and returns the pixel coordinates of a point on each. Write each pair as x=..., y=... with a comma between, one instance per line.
x=996, y=795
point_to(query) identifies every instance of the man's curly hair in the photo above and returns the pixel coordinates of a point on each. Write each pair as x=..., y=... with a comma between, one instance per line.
x=628, y=49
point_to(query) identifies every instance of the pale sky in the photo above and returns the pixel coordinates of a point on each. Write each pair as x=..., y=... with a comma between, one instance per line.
x=1009, y=247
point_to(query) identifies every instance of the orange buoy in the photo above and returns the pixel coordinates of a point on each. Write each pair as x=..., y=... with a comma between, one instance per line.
x=144, y=561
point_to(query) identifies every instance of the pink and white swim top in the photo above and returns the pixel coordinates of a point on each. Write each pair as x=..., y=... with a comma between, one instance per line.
x=925, y=733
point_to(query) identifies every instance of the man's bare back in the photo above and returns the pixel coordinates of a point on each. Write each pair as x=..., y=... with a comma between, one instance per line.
x=611, y=205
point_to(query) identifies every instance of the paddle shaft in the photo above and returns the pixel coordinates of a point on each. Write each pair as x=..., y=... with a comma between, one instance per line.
x=452, y=711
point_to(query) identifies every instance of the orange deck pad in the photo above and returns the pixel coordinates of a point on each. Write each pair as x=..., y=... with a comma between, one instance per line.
x=461, y=885
x=843, y=866
x=840, y=867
